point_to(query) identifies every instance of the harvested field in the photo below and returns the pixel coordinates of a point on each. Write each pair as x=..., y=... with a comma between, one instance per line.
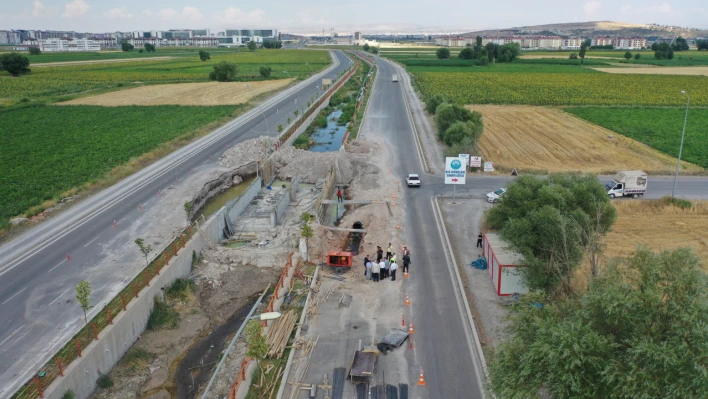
x=211, y=93
x=538, y=138
x=657, y=225
x=695, y=70
x=48, y=64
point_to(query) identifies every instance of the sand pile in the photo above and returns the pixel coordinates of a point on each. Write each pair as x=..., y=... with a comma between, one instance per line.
x=249, y=151
x=311, y=166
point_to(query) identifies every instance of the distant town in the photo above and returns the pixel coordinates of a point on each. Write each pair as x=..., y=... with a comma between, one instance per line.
x=53, y=41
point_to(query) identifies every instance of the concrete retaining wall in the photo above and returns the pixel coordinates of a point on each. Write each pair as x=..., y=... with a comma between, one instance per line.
x=236, y=207
x=115, y=340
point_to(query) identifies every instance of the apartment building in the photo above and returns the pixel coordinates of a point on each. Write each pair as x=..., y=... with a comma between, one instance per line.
x=530, y=42
x=239, y=37
x=175, y=42
x=622, y=43
x=66, y=44
x=572, y=43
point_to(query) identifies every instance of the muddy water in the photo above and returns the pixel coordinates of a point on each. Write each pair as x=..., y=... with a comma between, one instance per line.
x=329, y=138
x=220, y=200
x=200, y=361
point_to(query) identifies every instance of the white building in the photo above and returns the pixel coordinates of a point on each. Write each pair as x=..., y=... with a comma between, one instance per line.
x=175, y=42
x=572, y=43
x=54, y=45
x=239, y=37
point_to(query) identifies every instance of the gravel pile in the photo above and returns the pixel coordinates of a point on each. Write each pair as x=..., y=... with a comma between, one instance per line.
x=247, y=152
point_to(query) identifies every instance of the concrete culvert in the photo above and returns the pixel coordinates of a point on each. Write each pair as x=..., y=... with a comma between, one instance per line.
x=357, y=225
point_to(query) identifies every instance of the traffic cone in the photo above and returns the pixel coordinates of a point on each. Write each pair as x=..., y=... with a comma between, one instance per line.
x=114, y=223
x=410, y=343
x=159, y=193
x=405, y=274
x=408, y=301
x=403, y=321
x=421, y=380
x=140, y=206
x=411, y=331
x=68, y=257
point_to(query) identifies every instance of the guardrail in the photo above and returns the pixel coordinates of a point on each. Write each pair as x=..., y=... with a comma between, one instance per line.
x=34, y=388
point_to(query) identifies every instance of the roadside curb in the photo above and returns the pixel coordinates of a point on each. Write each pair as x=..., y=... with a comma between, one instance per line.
x=449, y=254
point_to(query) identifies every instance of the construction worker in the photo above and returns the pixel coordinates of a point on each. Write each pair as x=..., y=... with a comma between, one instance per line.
x=367, y=260
x=389, y=250
x=339, y=195
x=379, y=254
x=375, y=270
x=406, y=262
x=393, y=257
x=367, y=269
x=393, y=267
x=382, y=267
x=479, y=240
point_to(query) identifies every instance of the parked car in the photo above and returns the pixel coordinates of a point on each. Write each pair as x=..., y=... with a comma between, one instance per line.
x=496, y=195
x=413, y=180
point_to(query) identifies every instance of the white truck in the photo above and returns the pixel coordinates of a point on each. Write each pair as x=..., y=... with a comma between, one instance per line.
x=628, y=183
x=395, y=78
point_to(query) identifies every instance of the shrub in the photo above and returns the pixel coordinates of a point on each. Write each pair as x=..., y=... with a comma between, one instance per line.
x=181, y=289
x=447, y=114
x=300, y=142
x=105, y=381
x=137, y=358
x=678, y=202
x=69, y=395
x=162, y=316
x=573, y=56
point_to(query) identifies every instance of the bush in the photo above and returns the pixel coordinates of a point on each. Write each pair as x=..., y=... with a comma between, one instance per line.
x=224, y=72
x=678, y=202
x=69, y=395
x=300, y=142
x=443, y=53
x=105, y=382
x=637, y=56
x=35, y=51
x=162, y=316
x=447, y=114
x=265, y=71
x=181, y=289
x=467, y=146
x=573, y=56
x=137, y=358
x=459, y=131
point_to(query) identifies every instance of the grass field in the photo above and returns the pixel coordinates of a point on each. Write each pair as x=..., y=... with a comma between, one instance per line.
x=659, y=128
x=548, y=139
x=117, y=54
x=544, y=88
x=50, y=150
x=62, y=80
x=694, y=70
x=208, y=93
x=506, y=68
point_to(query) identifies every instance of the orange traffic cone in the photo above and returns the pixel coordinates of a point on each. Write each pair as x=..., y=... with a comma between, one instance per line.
x=408, y=301
x=421, y=380
x=411, y=331
x=410, y=343
x=405, y=274
x=403, y=321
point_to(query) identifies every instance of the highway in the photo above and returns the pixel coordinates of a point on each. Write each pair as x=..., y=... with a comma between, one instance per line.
x=37, y=278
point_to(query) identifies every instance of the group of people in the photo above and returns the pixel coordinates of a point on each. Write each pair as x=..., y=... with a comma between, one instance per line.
x=385, y=267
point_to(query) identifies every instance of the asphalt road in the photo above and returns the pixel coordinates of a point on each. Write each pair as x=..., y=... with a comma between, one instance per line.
x=37, y=278
x=443, y=349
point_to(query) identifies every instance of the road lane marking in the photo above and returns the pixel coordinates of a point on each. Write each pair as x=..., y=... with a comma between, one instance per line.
x=57, y=265
x=12, y=334
x=60, y=295
x=89, y=243
x=121, y=221
x=10, y=298
x=144, y=204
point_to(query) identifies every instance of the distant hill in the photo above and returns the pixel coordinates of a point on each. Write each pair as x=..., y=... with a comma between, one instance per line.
x=596, y=28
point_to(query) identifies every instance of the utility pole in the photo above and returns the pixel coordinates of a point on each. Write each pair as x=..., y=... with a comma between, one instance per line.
x=678, y=164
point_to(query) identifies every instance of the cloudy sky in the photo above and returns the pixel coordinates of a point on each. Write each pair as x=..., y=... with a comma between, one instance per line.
x=305, y=16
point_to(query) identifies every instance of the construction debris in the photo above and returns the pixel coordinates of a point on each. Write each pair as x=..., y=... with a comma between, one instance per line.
x=279, y=334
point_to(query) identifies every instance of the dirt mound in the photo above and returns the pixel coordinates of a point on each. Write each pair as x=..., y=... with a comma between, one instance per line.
x=248, y=151
x=311, y=166
x=539, y=138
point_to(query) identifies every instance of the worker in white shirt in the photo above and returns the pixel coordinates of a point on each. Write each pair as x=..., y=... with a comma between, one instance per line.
x=375, y=270
x=393, y=267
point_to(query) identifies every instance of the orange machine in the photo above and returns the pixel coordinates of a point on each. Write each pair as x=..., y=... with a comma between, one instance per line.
x=339, y=261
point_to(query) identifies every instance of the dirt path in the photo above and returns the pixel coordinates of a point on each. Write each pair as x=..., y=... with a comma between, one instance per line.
x=64, y=63
x=647, y=70
x=208, y=93
x=539, y=138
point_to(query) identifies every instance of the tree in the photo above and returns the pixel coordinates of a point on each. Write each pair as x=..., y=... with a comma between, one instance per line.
x=492, y=51
x=83, y=292
x=145, y=249
x=478, y=42
x=125, y=46
x=460, y=130
x=509, y=52
x=140, y=51
x=150, y=48
x=272, y=44
x=257, y=344
x=680, y=44
x=447, y=114
x=466, y=53
x=573, y=56
x=443, y=53
x=637, y=332
x=627, y=56
x=280, y=128
x=549, y=222
x=14, y=63
x=306, y=232
x=483, y=61
x=702, y=44
x=265, y=71
x=251, y=46
x=35, y=51
x=374, y=50
x=583, y=50
x=204, y=55
x=663, y=51
x=224, y=71
x=637, y=56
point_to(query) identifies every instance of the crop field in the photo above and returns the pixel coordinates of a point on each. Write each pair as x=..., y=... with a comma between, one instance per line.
x=62, y=80
x=208, y=93
x=563, y=88
x=538, y=138
x=54, y=149
x=659, y=128
x=49, y=57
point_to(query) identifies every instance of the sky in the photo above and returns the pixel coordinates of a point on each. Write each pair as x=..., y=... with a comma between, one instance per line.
x=310, y=16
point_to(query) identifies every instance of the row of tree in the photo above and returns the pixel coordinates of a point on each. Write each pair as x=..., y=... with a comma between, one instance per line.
x=702, y=44
x=458, y=127
x=490, y=52
x=635, y=331
x=370, y=49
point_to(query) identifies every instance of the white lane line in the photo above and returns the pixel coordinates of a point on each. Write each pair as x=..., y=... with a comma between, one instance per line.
x=12, y=334
x=94, y=268
x=121, y=221
x=60, y=295
x=57, y=265
x=10, y=298
x=89, y=243
x=144, y=204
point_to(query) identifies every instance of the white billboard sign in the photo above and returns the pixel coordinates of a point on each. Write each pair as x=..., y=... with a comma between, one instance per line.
x=466, y=158
x=455, y=170
x=489, y=167
x=475, y=162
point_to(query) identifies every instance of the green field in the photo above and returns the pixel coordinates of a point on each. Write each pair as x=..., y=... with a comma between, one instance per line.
x=659, y=128
x=48, y=150
x=70, y=79
x=113, y=55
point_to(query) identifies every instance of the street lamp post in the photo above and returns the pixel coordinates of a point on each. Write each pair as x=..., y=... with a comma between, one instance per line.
x=678, y=164
x=297, y=92
x=262, y=112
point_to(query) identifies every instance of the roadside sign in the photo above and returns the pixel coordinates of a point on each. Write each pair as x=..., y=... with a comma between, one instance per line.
x=489, y=167
x=475, y=162
x=455, y=171
x=466, y=158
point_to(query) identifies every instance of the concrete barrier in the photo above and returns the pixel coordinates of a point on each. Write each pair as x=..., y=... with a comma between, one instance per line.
x=235, y=208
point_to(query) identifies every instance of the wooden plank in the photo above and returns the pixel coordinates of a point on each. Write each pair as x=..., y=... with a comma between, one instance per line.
x=345, y=229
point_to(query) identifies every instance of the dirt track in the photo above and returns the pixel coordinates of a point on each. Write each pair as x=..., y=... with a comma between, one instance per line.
x=696, y=70
x=47, y=64
x=209, y=93
x=539, y=138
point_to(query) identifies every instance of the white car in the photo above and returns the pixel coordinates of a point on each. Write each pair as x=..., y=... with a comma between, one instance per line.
x=495, y=196
x=413, y=180
x=395, y=78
